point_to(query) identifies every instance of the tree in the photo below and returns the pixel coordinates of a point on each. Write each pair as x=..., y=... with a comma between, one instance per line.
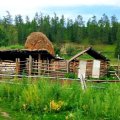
x=117, y=49
x=3, y=37
x=19, y=24
x=69, y=30
x=9, y=29
x=104, y=29
x=81, y=33
x=114, y=28
x=54, y=28
x=7, y=20
x=92, y=30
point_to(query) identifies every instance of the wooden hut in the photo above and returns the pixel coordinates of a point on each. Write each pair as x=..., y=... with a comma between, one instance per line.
x=95, y=67
x=37, y=58
x=26, y=61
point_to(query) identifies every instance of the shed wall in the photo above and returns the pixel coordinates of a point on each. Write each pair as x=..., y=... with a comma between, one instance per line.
x=73, y=67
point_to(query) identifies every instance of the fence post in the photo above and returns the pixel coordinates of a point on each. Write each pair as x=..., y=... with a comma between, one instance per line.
x=17, y=65
x=30, y=65
x=83, y=83
x=48, y=70
x=67, y=66
x=39, y=64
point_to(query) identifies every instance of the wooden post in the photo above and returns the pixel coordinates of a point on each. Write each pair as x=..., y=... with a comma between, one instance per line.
x=30, y=65
x=17, y=65
x=48, y=66
x=39, y=64
x=67, y=66
x=83, y=83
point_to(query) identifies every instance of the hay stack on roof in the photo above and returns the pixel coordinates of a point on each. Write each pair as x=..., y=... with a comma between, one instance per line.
x=39, y=41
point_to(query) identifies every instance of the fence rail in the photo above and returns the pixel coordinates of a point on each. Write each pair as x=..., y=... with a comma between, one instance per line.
x=30, y=67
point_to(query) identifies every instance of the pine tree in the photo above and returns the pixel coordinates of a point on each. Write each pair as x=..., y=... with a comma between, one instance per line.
x=117, y=50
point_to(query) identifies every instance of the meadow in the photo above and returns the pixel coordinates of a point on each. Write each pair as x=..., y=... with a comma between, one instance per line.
x=45, y=99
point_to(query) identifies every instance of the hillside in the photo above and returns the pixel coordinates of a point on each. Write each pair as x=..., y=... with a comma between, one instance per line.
x=67, y=50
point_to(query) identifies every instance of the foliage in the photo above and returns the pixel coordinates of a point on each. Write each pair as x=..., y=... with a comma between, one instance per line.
x=70, y=51
x=71, y=75
x=12, y=47
x=57, y=49
x=117, y=50
x=58, y=29
x=51, y=100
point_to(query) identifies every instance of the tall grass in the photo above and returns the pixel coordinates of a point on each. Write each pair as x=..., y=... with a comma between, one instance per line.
x=53, y=100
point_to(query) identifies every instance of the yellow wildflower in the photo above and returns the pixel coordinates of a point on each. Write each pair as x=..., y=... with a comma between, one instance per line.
x=24, y=106
x=56, y=105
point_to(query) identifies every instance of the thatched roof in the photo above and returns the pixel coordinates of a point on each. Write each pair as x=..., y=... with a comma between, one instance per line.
x=39, y=41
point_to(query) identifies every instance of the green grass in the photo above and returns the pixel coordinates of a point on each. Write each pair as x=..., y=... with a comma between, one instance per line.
x=106, y=50
x=11, y=47
x=47, y=100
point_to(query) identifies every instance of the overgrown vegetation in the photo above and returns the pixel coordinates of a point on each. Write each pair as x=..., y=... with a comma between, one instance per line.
x=48, y=100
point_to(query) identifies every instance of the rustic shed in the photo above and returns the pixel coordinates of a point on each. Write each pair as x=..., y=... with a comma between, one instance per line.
x=34, y=59
x=37, y=58
x=95, y=68
x=24, y=60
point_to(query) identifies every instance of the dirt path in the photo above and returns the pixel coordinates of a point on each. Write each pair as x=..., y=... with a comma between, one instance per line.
x=4, y=114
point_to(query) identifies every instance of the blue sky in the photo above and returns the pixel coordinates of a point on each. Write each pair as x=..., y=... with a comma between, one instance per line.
x=85, y=11
x=69, y=8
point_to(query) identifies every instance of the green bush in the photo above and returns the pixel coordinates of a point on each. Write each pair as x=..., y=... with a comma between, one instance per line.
x=71, y=75
x=57, y=50
x=70, y=50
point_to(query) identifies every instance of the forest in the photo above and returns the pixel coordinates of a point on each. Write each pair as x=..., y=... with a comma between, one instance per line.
x=60, y=29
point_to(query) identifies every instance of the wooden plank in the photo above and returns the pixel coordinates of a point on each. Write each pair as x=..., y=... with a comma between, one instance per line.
x=39, y=64
x=96, y=69
x=82, y=69
x=30, y=64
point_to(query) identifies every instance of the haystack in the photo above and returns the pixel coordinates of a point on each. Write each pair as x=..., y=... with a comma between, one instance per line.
x=39, y=41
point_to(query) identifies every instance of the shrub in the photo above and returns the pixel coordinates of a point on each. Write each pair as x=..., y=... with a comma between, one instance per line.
x=71, y=75
x=70, y=50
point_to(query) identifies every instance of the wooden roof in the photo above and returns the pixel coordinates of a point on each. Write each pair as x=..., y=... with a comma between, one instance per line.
x=23, y=54
x=92, y=53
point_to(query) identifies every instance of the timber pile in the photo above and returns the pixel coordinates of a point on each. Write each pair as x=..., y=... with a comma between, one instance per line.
x=39, y=41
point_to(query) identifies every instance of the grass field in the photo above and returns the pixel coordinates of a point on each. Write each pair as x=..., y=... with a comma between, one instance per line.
x=46, y=100
x=106, y=50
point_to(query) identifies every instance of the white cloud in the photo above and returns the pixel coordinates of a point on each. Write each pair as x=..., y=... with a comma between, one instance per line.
x=29, y=7
x=43, y=3
x=79, y=2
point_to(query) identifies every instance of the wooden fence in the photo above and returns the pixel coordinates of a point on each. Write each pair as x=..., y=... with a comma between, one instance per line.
x=47, y=68
x=31, y=67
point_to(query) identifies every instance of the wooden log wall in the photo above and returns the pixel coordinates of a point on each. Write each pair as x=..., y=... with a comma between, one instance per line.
x=55, y=68
x=104, y=68
x=89, y=68
x=73, y=67
x=7, y=67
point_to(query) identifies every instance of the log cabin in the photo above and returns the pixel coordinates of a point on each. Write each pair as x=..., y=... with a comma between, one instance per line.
x=95, y=67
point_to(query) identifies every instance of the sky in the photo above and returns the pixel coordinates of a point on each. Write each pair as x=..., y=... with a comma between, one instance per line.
x=69, y=8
